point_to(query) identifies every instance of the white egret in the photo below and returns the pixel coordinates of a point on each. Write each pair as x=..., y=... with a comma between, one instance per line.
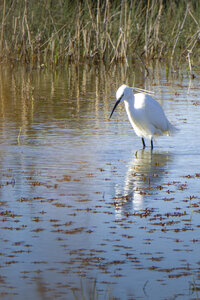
x=145, y=114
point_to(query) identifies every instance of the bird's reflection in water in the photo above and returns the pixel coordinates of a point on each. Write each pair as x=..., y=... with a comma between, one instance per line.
x=144, y=175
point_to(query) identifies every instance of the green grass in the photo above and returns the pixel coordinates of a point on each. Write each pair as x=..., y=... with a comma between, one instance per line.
x=56, y=31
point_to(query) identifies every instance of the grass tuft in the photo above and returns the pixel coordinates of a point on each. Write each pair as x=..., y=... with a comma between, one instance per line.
x=43, y=32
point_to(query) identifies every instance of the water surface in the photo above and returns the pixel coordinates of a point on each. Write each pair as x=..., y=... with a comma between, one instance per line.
x=83, y=207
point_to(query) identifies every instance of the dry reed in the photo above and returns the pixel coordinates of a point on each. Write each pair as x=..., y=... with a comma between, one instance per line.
x=42, y=32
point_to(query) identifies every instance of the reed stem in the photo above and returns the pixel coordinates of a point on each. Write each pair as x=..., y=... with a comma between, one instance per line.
x=109, y=31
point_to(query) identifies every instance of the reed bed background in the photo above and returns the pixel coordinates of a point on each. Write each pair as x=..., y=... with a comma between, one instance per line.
x=56, y=31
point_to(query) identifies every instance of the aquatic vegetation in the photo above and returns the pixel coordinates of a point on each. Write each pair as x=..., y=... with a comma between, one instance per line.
x=39, y=32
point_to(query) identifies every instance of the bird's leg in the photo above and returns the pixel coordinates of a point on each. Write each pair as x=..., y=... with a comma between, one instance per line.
x=143, y=143
x=151, y=144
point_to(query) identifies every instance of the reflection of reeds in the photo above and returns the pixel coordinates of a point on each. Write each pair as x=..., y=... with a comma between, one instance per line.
x=56, y=31
x=90, y=292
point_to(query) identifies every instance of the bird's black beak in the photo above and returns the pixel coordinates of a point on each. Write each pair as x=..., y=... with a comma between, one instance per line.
x=117, y=102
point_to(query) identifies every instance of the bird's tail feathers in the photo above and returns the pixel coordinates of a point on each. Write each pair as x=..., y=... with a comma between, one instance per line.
x=172, y=129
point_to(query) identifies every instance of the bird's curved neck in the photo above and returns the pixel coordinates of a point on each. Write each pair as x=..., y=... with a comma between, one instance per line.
x=130, y=99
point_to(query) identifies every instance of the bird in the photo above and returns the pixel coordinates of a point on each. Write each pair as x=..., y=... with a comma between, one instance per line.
x=144, y=113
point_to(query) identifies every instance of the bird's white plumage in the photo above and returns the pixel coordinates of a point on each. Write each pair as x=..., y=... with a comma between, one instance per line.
x=145, y=114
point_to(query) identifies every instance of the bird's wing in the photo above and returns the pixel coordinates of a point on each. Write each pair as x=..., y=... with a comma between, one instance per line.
x=155, y=114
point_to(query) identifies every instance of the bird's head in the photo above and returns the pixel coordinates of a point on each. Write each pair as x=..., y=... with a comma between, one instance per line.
x=123, y=93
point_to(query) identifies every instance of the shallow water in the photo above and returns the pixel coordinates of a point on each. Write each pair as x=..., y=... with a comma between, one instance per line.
x=83, y=209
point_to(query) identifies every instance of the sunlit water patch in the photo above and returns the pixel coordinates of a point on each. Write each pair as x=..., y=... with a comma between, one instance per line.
x=83, y=208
